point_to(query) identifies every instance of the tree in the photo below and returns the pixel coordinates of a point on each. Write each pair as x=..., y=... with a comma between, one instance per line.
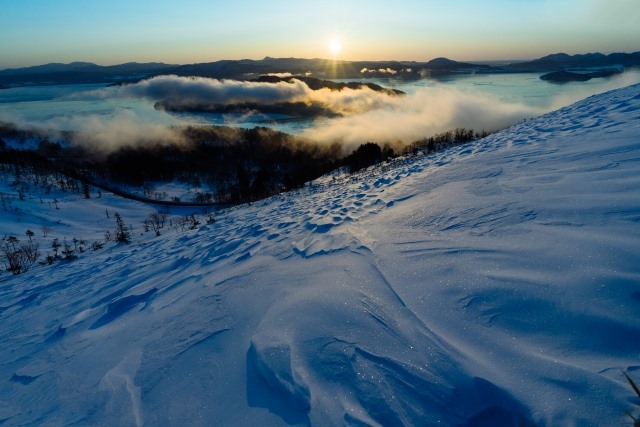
x=122, y=234
x=18, y=256
x=193, y=221
x=85, y=190
x=364, y=156
x=30, y=235
x=55, y=245
x=67, y=250
x=156, y=221
x=11, y=255
x=46, y=230
x=31, y=253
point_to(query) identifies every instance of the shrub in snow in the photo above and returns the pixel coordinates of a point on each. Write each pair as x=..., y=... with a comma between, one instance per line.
x=97, y=245
x=155, y=221
x=68, y=251
x=55, y=245
x=18, y=257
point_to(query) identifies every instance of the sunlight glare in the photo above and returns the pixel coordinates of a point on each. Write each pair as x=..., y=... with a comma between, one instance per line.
x=335, y=46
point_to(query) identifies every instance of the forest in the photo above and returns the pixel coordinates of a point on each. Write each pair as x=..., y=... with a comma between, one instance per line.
x=236, y=165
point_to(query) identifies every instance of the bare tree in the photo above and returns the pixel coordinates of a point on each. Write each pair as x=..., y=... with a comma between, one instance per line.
x=46, y=230
x=17, y=256
x=31, y=252
x=156, y=221
x=11, y=255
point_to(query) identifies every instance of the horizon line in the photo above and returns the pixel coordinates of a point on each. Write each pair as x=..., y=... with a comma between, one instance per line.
x=102, y=64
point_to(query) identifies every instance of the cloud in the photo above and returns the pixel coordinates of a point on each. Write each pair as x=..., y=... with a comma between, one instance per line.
x=287, y=74
x=192, y=91
x=200, y=90
x=426, y=112
x=382, y=71
x=435, y=109
x=367, y=115
x=104, y=133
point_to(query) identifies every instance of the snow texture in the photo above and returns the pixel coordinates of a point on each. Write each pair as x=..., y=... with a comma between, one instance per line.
x=495, y=284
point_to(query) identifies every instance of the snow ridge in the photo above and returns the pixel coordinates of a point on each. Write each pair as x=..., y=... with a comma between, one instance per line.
x=492, y=284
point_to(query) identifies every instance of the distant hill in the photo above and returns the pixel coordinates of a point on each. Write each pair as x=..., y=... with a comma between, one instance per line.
x=56, y=67
x=564, y=62
x=249, y=69
x=79, y=72
x=84, y=72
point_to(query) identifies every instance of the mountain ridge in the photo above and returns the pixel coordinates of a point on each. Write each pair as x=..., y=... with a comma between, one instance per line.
x=84, y=72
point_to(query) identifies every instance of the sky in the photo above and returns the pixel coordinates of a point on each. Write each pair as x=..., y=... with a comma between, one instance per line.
x=36, y=32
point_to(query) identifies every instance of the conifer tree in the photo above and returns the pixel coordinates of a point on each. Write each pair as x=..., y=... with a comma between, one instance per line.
x=122, y=234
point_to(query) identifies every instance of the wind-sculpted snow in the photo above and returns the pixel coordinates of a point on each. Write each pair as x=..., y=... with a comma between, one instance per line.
x=495, y=284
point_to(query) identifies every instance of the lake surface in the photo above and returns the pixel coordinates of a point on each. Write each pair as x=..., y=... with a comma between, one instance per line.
x=64, y=107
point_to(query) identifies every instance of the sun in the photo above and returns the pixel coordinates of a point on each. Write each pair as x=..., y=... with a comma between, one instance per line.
x=335, y=46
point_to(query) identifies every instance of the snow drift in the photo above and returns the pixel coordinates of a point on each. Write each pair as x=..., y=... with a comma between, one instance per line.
x=495, y=284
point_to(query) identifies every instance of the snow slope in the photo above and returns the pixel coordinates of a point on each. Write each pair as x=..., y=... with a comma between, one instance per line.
x=496, y=284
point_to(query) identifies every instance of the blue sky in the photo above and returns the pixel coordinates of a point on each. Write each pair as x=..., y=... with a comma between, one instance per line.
x=116, y=31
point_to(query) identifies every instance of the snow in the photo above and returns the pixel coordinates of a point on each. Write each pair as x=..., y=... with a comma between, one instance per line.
x=497, y=283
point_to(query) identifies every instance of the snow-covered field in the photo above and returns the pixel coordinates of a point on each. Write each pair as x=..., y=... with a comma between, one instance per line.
x=495, y=284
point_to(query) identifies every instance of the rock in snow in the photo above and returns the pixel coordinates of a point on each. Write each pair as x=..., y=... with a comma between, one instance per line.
x=495, y=284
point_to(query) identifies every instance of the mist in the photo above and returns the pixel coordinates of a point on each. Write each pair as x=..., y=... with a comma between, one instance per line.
x=102, y=134
x=431, y=110
x=424, y=113
x=365, y=115
x=190, y=91
x=105, y=134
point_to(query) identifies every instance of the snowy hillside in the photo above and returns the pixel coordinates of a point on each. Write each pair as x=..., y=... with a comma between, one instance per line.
x=496, y=284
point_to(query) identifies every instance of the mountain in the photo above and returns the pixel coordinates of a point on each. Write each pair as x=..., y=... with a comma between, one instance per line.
x=247, y=69
x=496, y=283
x=82, y=72
x=79, y=72
x=564, y=62
x=54, y=67
x=129, y=67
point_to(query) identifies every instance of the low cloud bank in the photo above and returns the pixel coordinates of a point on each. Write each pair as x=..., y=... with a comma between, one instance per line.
x=367, y=115
x=101, y=133
x=424, y=113
x=191, y=91
x=199, y=90
x=105, y=134
x=440, y=108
